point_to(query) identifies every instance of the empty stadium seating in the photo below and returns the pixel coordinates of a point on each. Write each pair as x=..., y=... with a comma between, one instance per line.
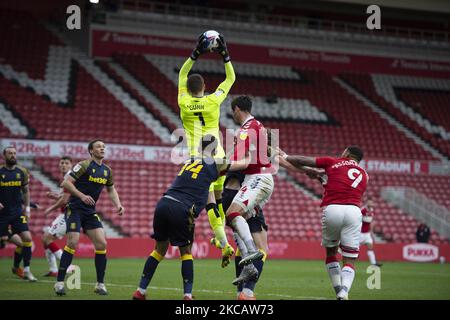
x=432, y=104
x=366, y=85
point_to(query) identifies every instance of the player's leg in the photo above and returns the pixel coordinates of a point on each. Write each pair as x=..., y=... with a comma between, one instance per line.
x=259, y=234
x=47, y=239
x=73, y=237
x=94, y=230
x=187, y=271
x=161, y=236
x=52, y=250
x=350, y=235
x=16, y=240
x=20, y=226
x=370, y=251
x=152, y=262
x=228, y=194
x=332, y=220
x=220, y=239
x=255, y=190
x=73, y=228
x=218, y=189
x=333, y=268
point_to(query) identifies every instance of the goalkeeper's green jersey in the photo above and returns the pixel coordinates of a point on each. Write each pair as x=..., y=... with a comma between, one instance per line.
x=200, y=116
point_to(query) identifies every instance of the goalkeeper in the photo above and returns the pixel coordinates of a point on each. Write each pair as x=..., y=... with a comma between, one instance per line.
x=200, y=115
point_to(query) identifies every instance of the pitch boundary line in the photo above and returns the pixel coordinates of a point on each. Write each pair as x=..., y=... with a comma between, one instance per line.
x=179, y=289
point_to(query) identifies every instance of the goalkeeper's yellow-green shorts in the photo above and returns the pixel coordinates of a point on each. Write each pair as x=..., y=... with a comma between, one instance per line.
x=217, y=185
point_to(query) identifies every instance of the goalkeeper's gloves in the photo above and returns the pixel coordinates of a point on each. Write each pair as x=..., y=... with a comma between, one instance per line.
x=222, y=49
x=200, y=48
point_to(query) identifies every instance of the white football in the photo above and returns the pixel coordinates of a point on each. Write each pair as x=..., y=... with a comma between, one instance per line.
x=211, y=39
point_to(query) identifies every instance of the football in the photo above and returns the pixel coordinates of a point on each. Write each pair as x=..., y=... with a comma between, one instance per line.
x=211, y=39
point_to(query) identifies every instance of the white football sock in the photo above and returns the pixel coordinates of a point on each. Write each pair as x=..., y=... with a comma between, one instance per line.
x=142, y=291
x=51, y=259
x=371, y=255
x=247, y=292
x=334, y=271
x=347, y=276
x=58, y=254
x=241, y=226
x=240, y=244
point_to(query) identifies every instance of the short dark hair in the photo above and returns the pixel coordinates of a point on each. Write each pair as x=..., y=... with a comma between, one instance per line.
x=91, y=144
x=8, y=147
x=209, y=141
x=195, y=83
x=243, y=102
x=66, y=158
x=356, y=152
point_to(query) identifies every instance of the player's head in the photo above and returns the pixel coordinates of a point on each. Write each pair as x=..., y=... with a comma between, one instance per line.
x=97, y=149
x=208, y=145
x=353, y=152
x=241, y=107
x=65, y=163
x=10, y=155
x=196, y=85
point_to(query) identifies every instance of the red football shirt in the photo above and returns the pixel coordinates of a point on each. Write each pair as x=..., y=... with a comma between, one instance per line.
x=366, y=220
x=252, y=137
x=346, y=182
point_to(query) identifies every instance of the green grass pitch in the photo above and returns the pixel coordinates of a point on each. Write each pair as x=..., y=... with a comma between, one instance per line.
x=281, y=279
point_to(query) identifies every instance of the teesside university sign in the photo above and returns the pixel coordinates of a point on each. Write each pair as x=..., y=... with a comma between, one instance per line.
x=78, y=150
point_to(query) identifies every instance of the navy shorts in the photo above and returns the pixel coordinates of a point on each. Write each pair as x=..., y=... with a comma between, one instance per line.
x=173, y=221
x=77, y=219
x=18, y=223
x=256, y=223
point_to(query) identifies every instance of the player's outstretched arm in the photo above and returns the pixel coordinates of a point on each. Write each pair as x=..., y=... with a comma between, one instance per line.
x=187, y=66
x=299, y=162
x=223, y=88
x=61, y=202
x=54, y=195
x=114, y=196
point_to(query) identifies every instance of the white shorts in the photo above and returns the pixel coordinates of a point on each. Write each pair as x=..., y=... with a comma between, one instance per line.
x=58, y=227
x=341, y=225
x=255, y=191
x=366, y=238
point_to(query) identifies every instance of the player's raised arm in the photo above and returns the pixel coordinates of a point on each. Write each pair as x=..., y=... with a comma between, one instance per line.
x=222, y=90
x=187, y=66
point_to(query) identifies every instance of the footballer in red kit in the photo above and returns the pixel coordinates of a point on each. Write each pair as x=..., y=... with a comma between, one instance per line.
x=257, y=187
x=344, y=183
x=366, y=237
